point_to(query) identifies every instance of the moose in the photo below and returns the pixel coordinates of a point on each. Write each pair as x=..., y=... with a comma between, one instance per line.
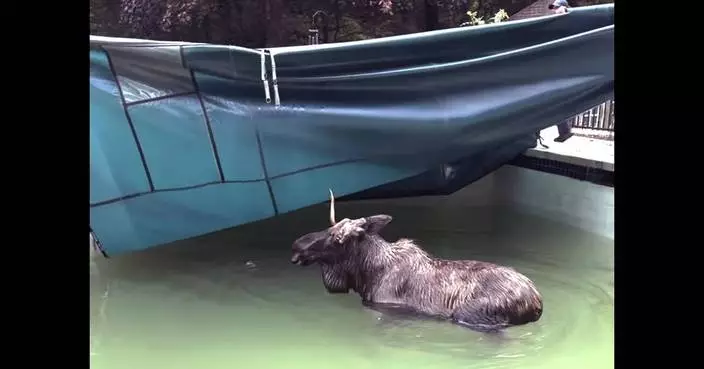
x=401, y=276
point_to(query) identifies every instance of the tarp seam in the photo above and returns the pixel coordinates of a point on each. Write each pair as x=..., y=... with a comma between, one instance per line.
x=129, y=121
x=157, y=98
x=266, y=173
x=171, y=189
x=208, y=125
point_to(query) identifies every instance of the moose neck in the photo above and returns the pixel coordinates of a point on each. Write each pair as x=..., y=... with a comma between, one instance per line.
x=377, y=256
x=374, y=251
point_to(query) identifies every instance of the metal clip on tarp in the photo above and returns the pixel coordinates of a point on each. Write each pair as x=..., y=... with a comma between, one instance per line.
x=274, y=81
x=265, y=80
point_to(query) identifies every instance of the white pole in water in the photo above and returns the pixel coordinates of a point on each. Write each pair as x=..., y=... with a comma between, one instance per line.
x=95, y=250
x=92, y=246
x=95, y=247
x=94, y=271
x=93, y=254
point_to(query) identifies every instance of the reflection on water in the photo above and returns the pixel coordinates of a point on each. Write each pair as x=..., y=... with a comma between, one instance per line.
x=233, y=299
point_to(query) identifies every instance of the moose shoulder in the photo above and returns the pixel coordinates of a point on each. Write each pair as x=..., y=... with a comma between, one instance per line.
x=479, y=295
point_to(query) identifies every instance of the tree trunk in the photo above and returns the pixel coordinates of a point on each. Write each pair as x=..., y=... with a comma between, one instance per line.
x=338, y=19
x=265, y=15
x=273, y=15
x=427, y=14
x=432, y=13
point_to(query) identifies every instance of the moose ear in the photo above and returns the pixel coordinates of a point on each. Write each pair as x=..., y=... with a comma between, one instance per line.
x=376, y=223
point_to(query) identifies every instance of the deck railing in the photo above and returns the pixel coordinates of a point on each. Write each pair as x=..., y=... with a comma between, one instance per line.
x=598, y=121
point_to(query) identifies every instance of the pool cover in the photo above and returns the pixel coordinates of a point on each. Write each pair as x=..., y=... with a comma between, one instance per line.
x=187, y=139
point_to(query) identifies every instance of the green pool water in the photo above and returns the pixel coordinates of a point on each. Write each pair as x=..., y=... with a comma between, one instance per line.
x=233, y=300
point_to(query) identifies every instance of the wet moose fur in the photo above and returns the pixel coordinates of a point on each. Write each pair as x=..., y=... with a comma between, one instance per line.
x=481, y=296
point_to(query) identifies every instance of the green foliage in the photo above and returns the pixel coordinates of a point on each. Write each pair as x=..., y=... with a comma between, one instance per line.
x=500, y=16
x=475, y=20
x=261, y=23
x=351, y=30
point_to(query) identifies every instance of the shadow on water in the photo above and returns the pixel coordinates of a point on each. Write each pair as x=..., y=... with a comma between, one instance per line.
x=234, y=299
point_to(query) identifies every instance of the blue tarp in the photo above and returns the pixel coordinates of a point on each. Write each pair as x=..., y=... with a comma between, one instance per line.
x=187, y=139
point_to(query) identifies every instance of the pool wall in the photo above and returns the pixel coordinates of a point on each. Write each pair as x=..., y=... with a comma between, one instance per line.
x=578, y=203
x=581, y=204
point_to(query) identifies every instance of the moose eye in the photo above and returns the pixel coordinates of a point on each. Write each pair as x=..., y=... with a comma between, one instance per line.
x=332, y=240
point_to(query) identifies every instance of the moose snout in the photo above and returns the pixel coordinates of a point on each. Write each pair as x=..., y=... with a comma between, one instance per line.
x=296, y=258
x=302, y=259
